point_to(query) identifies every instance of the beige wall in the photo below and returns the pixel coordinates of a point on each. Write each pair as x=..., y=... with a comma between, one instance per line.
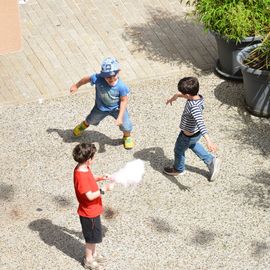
x=10, y=30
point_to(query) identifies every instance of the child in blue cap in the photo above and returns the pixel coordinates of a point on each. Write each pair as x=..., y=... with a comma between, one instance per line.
x=111, y=99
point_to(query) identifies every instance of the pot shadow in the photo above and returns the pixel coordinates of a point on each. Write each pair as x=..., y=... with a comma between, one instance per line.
x=157, y=159
x=89, y=136
x=257, y=135
x=257, y=130
x=66, y=240
x=257, y=193
x=170, y=38
x=230, y=94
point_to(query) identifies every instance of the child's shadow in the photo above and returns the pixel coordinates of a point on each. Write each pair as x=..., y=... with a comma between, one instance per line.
x=156, y=157
x=68, y=241
x=89, y=136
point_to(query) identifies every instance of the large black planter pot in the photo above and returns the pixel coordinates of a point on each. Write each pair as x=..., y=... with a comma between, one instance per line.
x=227, y=65
x=256, y=86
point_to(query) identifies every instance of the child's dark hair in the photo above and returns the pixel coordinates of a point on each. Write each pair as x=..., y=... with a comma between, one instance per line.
x=84, y=151
x=189, y=85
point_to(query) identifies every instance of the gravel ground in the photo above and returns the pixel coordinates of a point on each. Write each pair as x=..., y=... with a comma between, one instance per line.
x=166, y=222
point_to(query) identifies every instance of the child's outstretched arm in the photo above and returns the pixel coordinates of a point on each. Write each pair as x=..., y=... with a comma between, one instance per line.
x=81, y=82
x=123, y=106
x=174, y=98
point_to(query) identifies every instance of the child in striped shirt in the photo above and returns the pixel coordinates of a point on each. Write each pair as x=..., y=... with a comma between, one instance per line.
x=192, y=129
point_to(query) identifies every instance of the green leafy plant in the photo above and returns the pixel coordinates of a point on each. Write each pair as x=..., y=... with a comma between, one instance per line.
x=233, y=19
x=259, y=58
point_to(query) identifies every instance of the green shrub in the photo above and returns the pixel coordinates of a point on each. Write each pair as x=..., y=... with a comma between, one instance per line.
x=259, y=58
x=234, y=19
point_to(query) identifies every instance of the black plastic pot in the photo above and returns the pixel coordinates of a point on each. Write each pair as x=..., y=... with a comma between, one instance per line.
x=256, y=86
x=227, y=65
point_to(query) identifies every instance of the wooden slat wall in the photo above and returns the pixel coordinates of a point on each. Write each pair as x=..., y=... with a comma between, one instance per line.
x=64, y=40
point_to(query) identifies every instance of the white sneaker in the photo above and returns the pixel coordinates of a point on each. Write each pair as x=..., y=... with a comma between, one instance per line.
x=214, y=168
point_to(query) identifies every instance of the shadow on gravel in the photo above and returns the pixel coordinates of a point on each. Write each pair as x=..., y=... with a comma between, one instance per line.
x=157, y=159
x=161, y=225
x=89, y=136
x=259, y=249
x=170, y=38
x=62, y=201
x=203, y=237
x=6, y=192
x=256, y=132
x=230, y=94
x=67, y=241
x=193, y=169
x=258, y=192
x=60, y=237
x=110, y=213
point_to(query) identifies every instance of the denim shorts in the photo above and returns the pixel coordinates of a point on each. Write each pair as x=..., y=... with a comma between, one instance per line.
x=96, y=116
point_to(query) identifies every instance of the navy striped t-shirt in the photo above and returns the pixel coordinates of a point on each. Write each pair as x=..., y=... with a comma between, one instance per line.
x=192, y=120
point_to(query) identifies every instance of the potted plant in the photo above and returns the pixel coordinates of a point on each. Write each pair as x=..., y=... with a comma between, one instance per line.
x=235, y=25
x=255, y=65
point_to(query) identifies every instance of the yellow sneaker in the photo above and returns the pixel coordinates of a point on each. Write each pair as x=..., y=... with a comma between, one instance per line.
x=128, y=142
x=79, y=129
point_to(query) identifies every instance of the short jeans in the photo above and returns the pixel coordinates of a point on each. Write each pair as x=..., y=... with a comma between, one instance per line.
x=97, y=115
x=92, y=230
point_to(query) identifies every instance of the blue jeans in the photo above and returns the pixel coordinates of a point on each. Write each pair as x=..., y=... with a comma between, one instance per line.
x=97, y=115
x=184, y=142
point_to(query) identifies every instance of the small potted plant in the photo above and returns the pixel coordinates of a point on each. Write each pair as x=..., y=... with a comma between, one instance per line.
x=235, y=25
x=255, y=65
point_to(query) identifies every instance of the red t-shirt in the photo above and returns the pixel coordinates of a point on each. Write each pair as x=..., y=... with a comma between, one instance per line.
x=84, y=182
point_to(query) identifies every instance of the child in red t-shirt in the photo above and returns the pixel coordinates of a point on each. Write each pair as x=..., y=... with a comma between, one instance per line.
x=90, y=207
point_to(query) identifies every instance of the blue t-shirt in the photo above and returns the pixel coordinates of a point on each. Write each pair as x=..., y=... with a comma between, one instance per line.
x=108, y=97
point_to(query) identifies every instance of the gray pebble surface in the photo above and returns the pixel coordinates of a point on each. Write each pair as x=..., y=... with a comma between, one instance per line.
x=182, y=222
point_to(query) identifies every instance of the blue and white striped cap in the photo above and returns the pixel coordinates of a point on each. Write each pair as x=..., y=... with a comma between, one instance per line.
x=109, y=67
